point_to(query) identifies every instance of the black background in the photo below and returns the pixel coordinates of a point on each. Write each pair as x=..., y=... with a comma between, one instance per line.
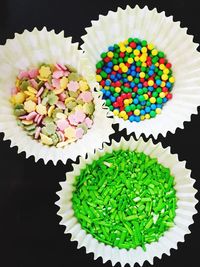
x=30, y=234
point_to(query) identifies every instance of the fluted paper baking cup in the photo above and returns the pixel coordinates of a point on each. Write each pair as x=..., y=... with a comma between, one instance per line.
x=30, y=49
x=169, y=37
x=184, y=213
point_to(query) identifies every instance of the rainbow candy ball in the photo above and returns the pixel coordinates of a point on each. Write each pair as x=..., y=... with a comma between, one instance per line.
x=135, y=78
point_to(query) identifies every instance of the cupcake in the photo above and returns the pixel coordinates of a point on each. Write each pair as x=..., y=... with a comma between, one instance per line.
x=146, y=66
x=49, y=108
x=128, y=203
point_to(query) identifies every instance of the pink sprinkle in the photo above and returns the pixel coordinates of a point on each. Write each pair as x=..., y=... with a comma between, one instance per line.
x=33, y=73
x=79, y=116
x=79, y=133
x=60, y=66
x=61, y=105
x=57, y=74
x=31, y=116
x=40, y=92
x=23, y=117
x=66, y=73
x=56, y=83
x=23, y=74
x=86, y=96
x=88, y=122
x=39, y=119
x=39, y=100
x=62, y=124
x=48, y=86
x=72, y=119
x=37, y=132
x=61, y=136
x=62, y=97
x=34, y=83
x=73, y=86
x=14, y=91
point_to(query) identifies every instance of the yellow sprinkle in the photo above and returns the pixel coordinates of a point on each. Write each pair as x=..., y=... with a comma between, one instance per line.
x=29, y=93
x=115, y=112
x=44, y=72
x=110, y=54
x=46, y=140
x=29, y=106
x=150, y=46
x=63, y=144
x=17, y=82
x=116, y=68
x=60, y=115
x=63, y=83
x=42, y=110
x=70, y=132
x=19, y=98
x=98, y=78
x=130, y=60
x=171, y=79
x=25, y=122
x=33, y=98
x=69, y=99
x=117, y=89
x=32, y=90
x=58, y=91
x=50, y=110
x=79, y=107
x=83, y=85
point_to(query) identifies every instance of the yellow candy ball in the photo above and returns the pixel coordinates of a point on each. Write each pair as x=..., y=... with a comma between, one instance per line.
x=137, y=112
x=126, y=102
x=142, y=117
x=144, y=64
x=171, y=80
x=136, y=58
x=126, y=42
x=106, y=87
x=122, y=114
x=121, y=65
x=146, y=96
x=110, y=54
x=130, y=100
x=117, y=89
x=152, y=100
x=158, y=110
x=147, y=116
x=116, y=112
x=130, y=78
x=124, y=69
x=162, y=95
x=150, y=46
x=143, y=58
x=166, y=71
x=142, y=74
x=156, y=64
x=116, y=68
x=150, y=83
x=144, y=50
x=130, y=60
x=162, y=84
x=164, y=77
x=98, y=78
x=162, y=67
x=122, y=49
x=154, y=52
x=136, y=52
x=129, y=49
x=125, y=117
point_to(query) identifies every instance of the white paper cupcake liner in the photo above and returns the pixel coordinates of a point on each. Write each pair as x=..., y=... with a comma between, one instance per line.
x=184, y=213
x=167, y=36
x=30, y=49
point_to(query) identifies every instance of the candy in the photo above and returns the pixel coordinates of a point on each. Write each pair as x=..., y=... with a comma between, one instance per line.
x=53, y=104
x=140, y=73
x=125, y=199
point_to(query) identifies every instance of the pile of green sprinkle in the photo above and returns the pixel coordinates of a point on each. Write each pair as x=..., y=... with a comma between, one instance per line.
x=125, y=199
